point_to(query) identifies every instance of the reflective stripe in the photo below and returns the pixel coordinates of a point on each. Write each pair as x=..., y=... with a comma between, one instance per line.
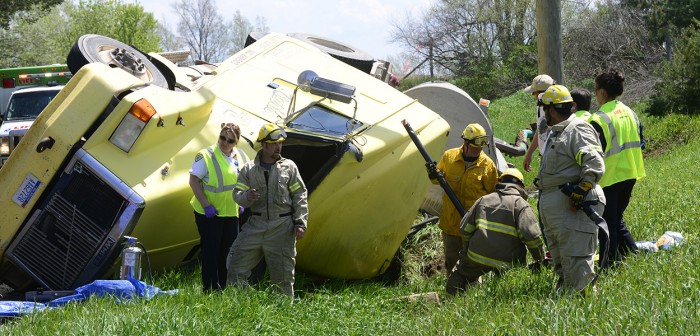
x=487, y=261
x=534, y=243
x=219, y=177
x=218, y=188
x=241, y=186
x=294, y=187
x=469, y=228
x=615, y=147
x=497, y=227
x=584, y=150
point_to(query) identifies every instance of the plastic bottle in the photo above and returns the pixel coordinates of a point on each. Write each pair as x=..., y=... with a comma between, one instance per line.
x=669, y=239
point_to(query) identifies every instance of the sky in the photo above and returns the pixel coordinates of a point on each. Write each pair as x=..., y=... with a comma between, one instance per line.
x=363, y=24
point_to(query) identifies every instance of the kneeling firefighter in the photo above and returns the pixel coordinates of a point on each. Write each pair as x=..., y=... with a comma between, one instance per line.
x=497, y=232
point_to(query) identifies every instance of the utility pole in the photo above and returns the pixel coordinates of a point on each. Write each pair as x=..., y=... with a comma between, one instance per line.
x=549, y=50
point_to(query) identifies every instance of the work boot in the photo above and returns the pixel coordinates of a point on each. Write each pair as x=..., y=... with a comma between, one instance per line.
x=548, y=262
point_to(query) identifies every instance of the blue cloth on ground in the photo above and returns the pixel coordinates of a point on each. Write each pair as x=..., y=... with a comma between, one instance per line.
x=122, y=290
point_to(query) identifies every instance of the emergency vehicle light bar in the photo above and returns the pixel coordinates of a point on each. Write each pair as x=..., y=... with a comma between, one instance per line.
x=46, y=74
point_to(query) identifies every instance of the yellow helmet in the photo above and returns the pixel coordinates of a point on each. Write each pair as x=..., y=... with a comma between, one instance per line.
x=475, y=135
x=556, y=94
x=271, y=133
x=511, y=175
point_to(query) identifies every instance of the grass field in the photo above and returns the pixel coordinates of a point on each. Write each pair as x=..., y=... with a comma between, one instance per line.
x=651, y=294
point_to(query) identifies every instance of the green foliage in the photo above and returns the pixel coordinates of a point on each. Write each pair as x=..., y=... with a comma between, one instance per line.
x=414, y=80
x=679, y=89
x=34, y=42
x=668, y=132
x=122, y=21
x=40, y=37
x=483, y=84
x=10, y=9
x=665, y=17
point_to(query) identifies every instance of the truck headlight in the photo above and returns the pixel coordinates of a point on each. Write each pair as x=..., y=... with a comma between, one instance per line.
x=4, y=146
x=131, y=126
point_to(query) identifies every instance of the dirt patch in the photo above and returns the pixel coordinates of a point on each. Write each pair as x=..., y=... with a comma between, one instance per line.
x=433, y=267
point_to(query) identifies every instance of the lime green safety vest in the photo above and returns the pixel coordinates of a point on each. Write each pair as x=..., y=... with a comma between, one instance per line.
x=623, y=151
x=219, y=188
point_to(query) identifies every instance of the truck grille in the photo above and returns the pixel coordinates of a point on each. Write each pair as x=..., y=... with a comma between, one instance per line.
x=71, y=234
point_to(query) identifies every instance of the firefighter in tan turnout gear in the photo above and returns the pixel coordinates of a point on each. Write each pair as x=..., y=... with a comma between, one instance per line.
x=271, y=188
x=497, y=232
x=573, y=157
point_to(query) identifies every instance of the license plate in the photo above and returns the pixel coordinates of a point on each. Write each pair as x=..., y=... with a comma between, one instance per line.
x=26, y=191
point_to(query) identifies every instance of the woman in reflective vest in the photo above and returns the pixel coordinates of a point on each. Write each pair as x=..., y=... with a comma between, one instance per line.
x=620, y=135
x=213, y=175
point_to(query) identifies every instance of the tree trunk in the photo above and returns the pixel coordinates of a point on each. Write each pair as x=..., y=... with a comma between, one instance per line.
x=549, y=50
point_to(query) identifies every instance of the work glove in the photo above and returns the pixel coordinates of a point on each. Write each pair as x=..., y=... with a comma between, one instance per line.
x=210, y=211
x=579, y=193
x=433, y=172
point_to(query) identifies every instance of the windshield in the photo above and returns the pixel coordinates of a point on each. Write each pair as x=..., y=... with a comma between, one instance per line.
x=28, y=105
x=318, y=119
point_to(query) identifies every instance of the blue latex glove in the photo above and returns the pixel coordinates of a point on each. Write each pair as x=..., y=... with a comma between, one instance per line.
x=210, y=211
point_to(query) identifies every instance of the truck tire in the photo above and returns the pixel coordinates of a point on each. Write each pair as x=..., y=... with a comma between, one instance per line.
x=93, y=48
x=339, y=50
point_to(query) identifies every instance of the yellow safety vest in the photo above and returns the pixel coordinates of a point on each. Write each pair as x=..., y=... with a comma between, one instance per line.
x=623, y=151
x=219, y=188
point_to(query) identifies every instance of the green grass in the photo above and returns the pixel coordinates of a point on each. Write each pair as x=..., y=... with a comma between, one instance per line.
x=651, y=294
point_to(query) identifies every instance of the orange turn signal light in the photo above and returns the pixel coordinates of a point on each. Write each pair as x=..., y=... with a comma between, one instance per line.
x=142, y=110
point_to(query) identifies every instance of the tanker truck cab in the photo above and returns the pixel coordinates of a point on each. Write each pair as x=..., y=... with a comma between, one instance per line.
x=24, y=106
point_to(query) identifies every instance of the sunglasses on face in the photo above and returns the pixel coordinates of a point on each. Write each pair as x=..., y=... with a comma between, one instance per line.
x=223, y=138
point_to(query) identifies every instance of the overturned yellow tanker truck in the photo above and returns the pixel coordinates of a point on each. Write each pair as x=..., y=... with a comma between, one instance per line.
x=109, y=157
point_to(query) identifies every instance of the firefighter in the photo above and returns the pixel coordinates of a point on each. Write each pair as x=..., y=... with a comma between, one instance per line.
x=496, y=233
x=272, y=189
x=573, y=155
x=471, y=174
x=621, y=137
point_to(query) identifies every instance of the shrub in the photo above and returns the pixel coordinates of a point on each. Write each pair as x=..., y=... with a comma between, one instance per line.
x=679, y=90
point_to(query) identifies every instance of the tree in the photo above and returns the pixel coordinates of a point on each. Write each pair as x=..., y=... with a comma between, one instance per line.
x=474, y=40
x=665, y=19
x=203, y=29
x=36, y=42
x=125, y=22
x=241, y=27
x=168, y=40
x=38, y=37
x=612, y=36
x=9, y=9
x=679, y=90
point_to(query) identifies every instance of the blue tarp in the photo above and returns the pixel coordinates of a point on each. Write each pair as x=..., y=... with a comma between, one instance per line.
x=122, y=290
